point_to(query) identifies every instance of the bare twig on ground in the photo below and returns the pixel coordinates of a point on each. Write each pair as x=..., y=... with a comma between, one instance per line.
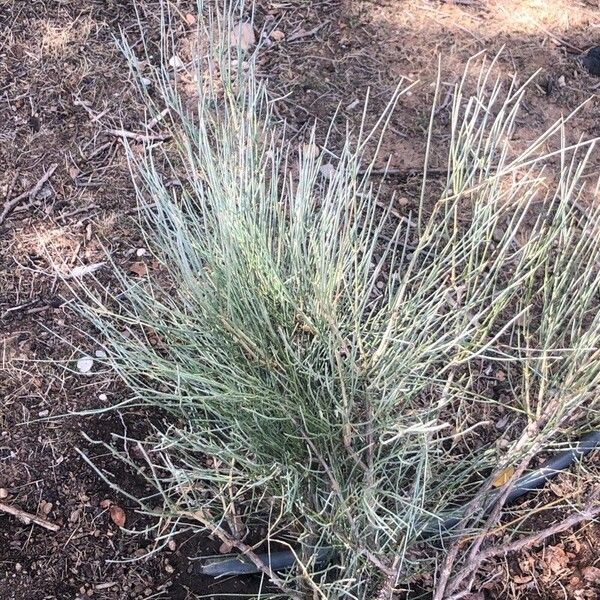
x=159, y=117
x=138, y=137
x=28, y=517
x=247, y=550
x=9, y=205
x=445, y=586
x=404, y=174
x=558, y=39
x=302, y=34
x=589, y=512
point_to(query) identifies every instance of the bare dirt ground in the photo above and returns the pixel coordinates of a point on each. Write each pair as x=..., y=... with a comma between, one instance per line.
x=63, y=87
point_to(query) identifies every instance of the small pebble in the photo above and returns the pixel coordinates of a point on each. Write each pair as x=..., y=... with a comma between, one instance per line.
x=102, y=397
x=85, y=364
x=74, y=517
x=3, y=493
x=43, y=413
x=328, y=171
x=176, y=62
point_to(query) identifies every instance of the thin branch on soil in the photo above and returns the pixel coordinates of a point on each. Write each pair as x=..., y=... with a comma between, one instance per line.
x=589, y=513
x=303, y=34
x=28, y=518
x=159, y=117
x=445, y=586
x=246, y=550
x=558, y=39
x=9, y=205
x=404, y=174
x=138, y=137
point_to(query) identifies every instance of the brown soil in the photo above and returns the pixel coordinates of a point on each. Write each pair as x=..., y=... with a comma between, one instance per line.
x=63, y=84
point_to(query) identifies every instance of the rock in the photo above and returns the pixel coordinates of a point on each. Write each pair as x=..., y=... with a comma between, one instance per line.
x=310, y=151
x=328, y=171
x=85, y=364
x=243, y=35
x=591, y=61
x=176, y=62
x=591, y=574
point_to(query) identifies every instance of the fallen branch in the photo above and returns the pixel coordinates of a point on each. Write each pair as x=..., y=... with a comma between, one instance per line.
x=589, y=512
x=246, y=550
x=28, y=518
x=138, y=137
x=404, y=174
x=445, y=586
x=303, y=34
x=9, y=205
x=154, y=121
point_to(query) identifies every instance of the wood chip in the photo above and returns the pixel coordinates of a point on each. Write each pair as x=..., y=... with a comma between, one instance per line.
x=139, y=268
x=117, y=514
x=242, y=35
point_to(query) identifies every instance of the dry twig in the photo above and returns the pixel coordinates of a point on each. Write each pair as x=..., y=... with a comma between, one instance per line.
x=247, y=550
x=302, y=34
x=9, y=205
x=445, y=586
x=138, y=137
x=590, y=512
x=28, y=517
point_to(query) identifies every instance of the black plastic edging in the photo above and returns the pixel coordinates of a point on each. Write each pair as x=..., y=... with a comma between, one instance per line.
x=282, y=560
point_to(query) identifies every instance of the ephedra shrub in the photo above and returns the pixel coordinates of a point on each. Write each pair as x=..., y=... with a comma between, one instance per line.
x=319, y=358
